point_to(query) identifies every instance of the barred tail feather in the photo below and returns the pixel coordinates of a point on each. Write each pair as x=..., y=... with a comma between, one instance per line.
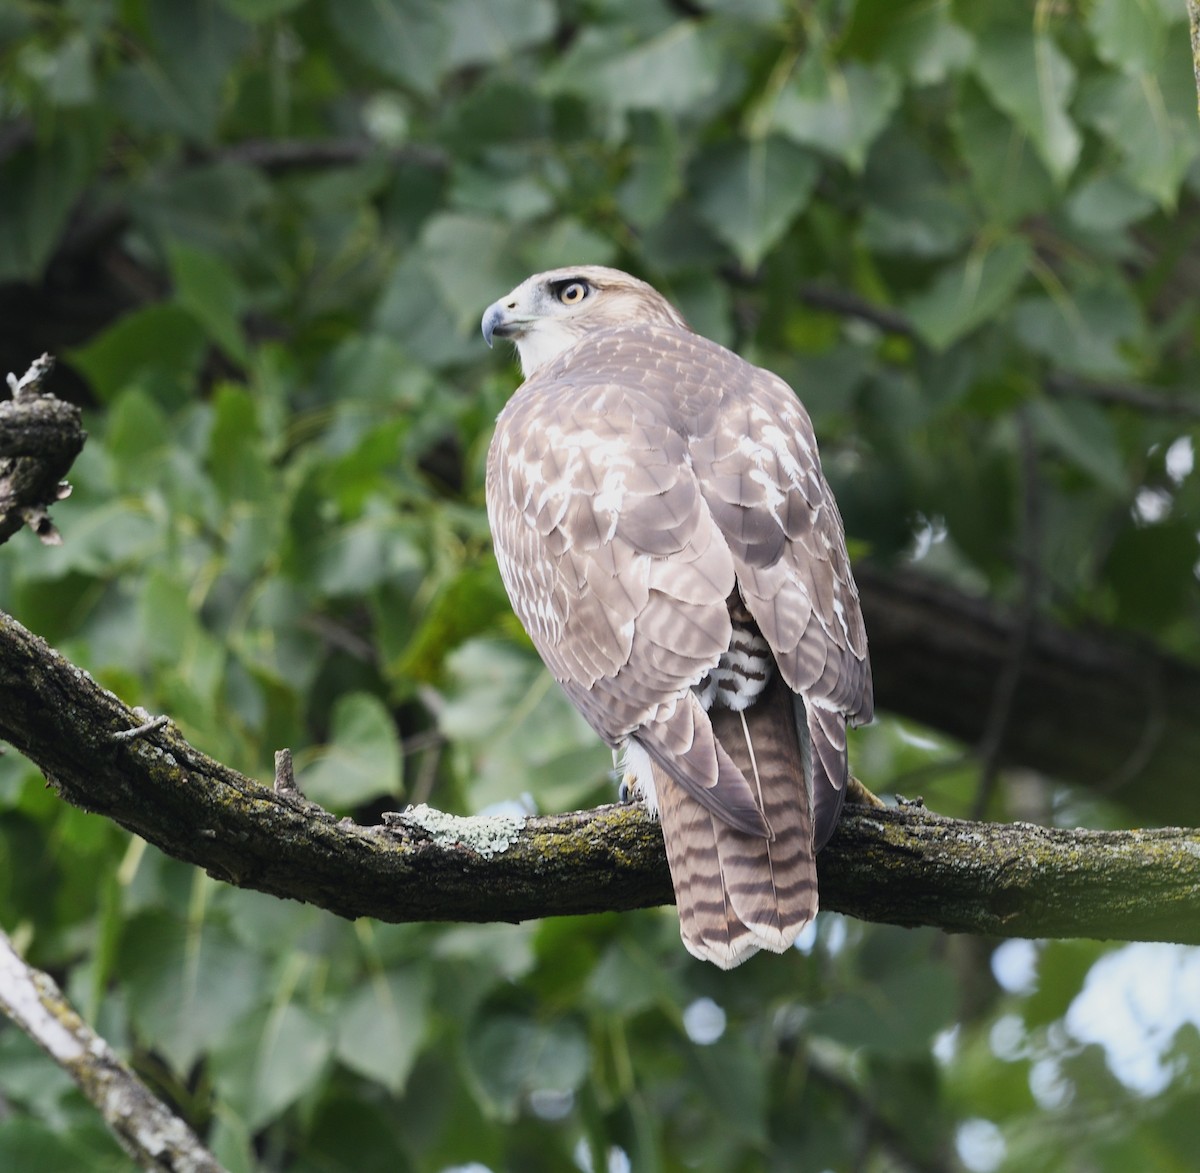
x=710, y=928
x=738, y=893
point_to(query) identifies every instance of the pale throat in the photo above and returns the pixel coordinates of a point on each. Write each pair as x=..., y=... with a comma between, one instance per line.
x=544, y=341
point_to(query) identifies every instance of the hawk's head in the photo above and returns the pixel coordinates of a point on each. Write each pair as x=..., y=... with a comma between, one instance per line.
x=550, y=312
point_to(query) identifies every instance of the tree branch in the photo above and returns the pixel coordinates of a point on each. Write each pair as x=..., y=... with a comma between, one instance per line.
x=145, y=1127
x=281, y=155
x=1193, y=11
x=1131, y=395
x=40, y=436
x=845, y=304
x=1095, y=708
x=907, y=867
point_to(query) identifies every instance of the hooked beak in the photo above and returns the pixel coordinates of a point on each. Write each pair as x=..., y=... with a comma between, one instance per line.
x=498, y=324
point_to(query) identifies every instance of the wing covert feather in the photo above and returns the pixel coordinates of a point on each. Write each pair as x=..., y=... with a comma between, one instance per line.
x=632, y=483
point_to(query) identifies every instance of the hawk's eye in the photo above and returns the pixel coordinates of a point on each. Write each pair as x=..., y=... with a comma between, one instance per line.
x=572, y=292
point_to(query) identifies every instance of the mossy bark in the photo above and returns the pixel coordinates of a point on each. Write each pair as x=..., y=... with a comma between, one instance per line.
x=907, y=866
x=40, y=436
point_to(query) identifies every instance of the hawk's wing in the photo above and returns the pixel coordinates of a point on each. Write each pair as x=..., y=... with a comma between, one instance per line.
x=761, y=478
x=631, y=483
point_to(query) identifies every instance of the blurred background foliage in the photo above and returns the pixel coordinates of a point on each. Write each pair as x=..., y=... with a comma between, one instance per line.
x=259, y=235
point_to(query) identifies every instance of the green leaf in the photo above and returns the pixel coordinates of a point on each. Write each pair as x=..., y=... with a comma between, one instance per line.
x=39, y=185
x=189, y=984
x=1129, y=34
x=548, y=245
x=412, y=311
x=966, y=294
x=168, y=618
x=1086, y=332
x=101, y=539
x=383, y=1025
x=840, y=111
x=1030, y=79
x=1007, y=174
x=219, y=207
x=734, y=1081
x=361, y=759
x=898, y=1016
x=277, y=1057
x=466, y=605
x=516, y=729
x=235, y=450
x=911, y=209
x=749, y=192
x=518, y=199
x=207, y=289
x=1083, y=434
x=355, y=559
x=405, y=40
x=138, y=438
x=471, y=262
x=1151, y=121
x=628, y=981
x=256, y=10
x=673, y=71
x=1107, y=203
x=181, y=88
x=351, y=1132
x=72, y=81
x=1153, y=600
x=925, y=43
x=655, y=176
x=159, y=348
x=32, y=1144
x=510, y=1057
x=493, y=30
x=1062, y=969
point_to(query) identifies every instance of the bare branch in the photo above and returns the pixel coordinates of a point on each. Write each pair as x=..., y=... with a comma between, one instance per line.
x=40, y=436
x=145, y=1127
x=30, y=383
x=1130, y=395
x=1193, y=10
x=147, y=726
x=280, y=155
x=850, y=305
x=905, y=867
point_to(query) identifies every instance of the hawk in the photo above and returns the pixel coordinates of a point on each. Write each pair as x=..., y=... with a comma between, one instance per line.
x=667, y=538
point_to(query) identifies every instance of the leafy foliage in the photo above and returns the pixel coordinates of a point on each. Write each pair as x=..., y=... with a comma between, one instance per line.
x=300, y=209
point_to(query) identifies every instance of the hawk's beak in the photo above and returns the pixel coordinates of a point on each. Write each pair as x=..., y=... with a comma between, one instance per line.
x=497, y=323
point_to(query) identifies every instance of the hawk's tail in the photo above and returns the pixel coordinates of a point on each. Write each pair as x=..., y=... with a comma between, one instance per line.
x=738, y=893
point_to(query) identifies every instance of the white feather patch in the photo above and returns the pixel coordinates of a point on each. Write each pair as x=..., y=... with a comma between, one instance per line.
x=638, y=774
x=543, y=340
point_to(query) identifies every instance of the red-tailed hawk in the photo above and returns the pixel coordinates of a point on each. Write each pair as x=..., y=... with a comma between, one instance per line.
x=668, y=540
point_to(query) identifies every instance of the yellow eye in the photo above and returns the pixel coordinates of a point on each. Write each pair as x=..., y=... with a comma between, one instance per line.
x=573, y=292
